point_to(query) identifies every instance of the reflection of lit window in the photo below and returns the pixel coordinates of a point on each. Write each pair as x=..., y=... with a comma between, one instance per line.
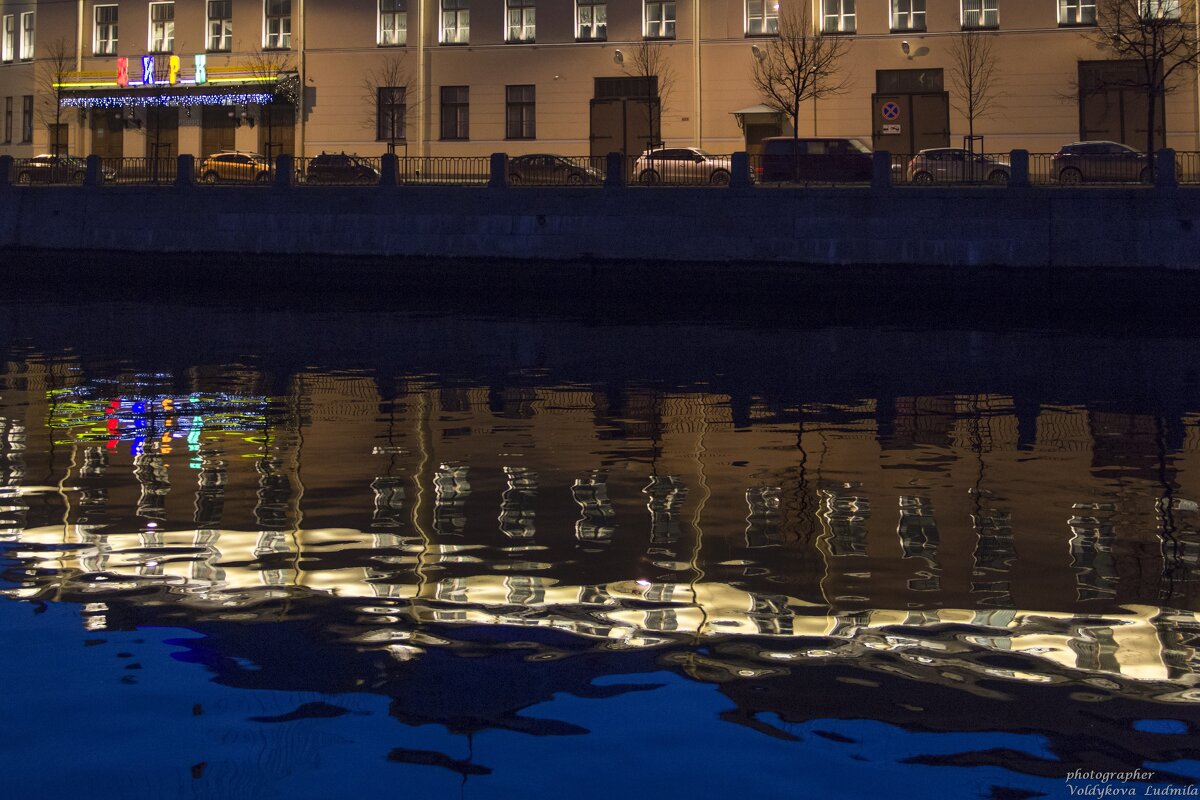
x=1076, y=12
x=908, y=15
x=1158, y=9
x=278, y=15
x=220, y=26
x=980, y=14
x=27, y=36
x=762, y=17
x=104, y=39
x=838, y=17
x=521, y=21
x=393, y=22
x=162, y=27
x=10, y=36
x=659, y=20
x=456, y=22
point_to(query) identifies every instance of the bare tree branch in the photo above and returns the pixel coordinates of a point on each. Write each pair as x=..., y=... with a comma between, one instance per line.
x=392, y=76
x=647, y=59
x=799, y=64
x=972, y=69
x=56, y=66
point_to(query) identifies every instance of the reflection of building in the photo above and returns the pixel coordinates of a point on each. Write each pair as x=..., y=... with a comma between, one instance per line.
x=435, y=77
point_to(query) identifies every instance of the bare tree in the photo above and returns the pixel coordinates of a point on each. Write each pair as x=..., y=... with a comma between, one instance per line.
x=57, y=65
x=647, y=60
x=1160, y=37
x=799, y=64
x=387, y=91
x=972, y=69
x=277, y=77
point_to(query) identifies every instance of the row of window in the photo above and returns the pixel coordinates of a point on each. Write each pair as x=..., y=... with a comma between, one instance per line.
x=391, y=109
x=591, y=21
x=26, y=119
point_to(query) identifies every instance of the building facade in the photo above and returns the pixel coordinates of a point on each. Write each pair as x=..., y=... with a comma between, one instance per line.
x=134, y=78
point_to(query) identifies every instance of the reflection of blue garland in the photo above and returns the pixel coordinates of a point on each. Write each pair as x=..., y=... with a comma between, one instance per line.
x=142, y=419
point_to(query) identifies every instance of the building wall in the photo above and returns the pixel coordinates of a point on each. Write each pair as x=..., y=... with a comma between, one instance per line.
x=335, y=51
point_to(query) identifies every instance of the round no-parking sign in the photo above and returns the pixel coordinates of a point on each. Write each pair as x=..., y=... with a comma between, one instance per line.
x=890, y=110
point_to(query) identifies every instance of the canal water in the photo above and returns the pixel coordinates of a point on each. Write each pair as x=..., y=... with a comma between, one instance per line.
x=328, y=549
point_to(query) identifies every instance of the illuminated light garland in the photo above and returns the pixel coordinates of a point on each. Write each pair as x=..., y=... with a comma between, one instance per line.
x=169, y=101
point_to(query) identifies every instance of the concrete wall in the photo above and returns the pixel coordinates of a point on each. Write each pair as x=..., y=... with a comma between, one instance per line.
x=1023, y=227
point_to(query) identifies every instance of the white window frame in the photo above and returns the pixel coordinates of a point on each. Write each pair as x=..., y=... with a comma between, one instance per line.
x=658, y=19
x=762, y=17
x=161, y=34
x=27, y=32
x=838, y=16
x=986, y=13
x=10, y=37
x=105, y=45
x=1084, y=12
x=520, y=21
x=454, y=22
x=593, y=10
x=218, y=34
x=277, y=28
x=908, y=15
x=392, y=30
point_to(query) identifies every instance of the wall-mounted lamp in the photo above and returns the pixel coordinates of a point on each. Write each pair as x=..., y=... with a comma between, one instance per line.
x=904, y=47
x=757, y=52
x=618, y=57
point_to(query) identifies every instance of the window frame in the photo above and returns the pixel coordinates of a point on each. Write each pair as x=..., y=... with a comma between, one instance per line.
x=1079, y=6
x=8, y=120
x=911, y=13
x=461, y=9
x=527, y=25
x=26, y=119
x=9, y=48
x=168, y=29
x=841, y=15
x=526, y=111
x=221, y=42
x=592, y=7
x=26, y=44
x=763, y=17
x=99, y=47
x=394, y=31
x=281, y=37
x=983, y=12
x=663, y=21
x=398, y=112
x=461, y=106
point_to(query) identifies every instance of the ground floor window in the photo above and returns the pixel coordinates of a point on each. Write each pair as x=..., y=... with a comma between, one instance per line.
x=519, y=112
x=391, y=108
x=456, y=112
x=27, y=119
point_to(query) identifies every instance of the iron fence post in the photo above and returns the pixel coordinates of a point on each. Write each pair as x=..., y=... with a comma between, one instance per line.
x=498, y=178
x=387, y=169
x=739, y=165
x=284, y=168
x=185, y=172
x=1018, y=169
x=1165, y=176
x=881, y=170
x=614, y=173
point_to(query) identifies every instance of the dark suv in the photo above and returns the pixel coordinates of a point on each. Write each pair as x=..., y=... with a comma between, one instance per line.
x=814, y=159
x=1100, y=161
x=340, y=168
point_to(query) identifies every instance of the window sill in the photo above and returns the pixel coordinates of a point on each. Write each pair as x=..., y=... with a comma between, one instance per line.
x=839, y=33
x=591, y=39
x=1076, y=24
x=454, y=44
x=658, y=38
x=276, y=49
x=219, y=50
x=520, y=41
x=907, y=31
x=390, y=45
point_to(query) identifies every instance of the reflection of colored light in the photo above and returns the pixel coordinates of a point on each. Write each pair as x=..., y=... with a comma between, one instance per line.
x=113, y=423
x=137, y=445
x=139, y=423
x=112, y=444
x=139, y=408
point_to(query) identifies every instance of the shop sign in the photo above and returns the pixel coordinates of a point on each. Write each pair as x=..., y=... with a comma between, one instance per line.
x=150, y=76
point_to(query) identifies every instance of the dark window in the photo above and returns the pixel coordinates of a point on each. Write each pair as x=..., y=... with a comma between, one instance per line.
x=456, y=102
x=519, y=113
x=390, y=111
x=8, y=120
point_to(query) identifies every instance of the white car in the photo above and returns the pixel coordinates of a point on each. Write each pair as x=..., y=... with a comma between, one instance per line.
x=681, y=165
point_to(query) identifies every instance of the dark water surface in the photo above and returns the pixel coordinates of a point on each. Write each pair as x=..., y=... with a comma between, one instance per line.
x=262, y=550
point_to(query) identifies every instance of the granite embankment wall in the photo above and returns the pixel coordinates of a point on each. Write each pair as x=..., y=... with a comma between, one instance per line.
x=1020, y=227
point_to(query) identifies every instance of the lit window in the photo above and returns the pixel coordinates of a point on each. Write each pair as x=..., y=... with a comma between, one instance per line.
x=980, y=14
x=10, y=36
x=762, y=17
x=27, y=36
x=1076, y=12
x=591, y=22
x=278, y=15
x=162, y=27
x=660, y=20
x=456, y=112
x=838, y=17
x=104, y=38
x=1159, y=9
x=519, y=111
x=456, y=21
x=521, y=18
x=908, y=15
x=391, y=108
x=220, y=26
x=393, y=22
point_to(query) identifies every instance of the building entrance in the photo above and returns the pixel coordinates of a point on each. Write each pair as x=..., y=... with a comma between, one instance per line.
x=108, y=133
x=1113, y=105
x=626, y=116
x=162, y=132
x=277, y=130
x=217, y=130
x=910, y=110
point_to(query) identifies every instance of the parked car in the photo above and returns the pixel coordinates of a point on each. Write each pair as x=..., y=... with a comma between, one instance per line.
x=47, y=168
x=681, y=165
x=546, y=169
x=340, y=168
x=955, y=164
x=234, y=166
x=1102, y=161
x=785, y=158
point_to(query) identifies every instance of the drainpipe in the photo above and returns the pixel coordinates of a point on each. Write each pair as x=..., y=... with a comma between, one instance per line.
x=696, y=98
x=79, y=39
x=300, y=66
x=421, y=97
